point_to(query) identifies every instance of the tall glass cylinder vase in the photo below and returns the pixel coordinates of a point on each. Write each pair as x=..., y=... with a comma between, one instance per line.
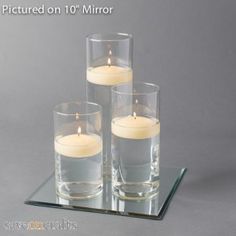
x=109, y=63
x=135, y=140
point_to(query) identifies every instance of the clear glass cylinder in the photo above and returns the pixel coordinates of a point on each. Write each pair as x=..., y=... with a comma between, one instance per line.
x=135, y=130
x=78, y=150
x=109, y=62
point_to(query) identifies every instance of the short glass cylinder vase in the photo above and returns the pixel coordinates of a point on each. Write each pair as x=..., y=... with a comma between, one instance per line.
x=109, y=63
x=78, y=150
x=135, y=140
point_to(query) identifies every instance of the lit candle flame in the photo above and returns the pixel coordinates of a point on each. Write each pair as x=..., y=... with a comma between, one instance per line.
x=109, y=61
x=134, y=115
x=79, y=131
x=109, y=57
x=77, y=116
x=136, y=101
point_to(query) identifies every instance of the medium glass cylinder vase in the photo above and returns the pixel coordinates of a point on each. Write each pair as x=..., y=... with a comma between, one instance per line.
x=135, y=140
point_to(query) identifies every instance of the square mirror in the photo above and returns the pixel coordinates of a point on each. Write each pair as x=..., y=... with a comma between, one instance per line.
x=107, y=203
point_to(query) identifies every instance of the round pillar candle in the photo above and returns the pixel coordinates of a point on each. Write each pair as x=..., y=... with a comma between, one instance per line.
x=135, y=127
x=109, y=75
x=78, y=146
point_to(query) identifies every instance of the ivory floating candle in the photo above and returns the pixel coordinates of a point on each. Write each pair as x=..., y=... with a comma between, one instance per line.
x=109, y=75
x=135, y=127
x=78, y=145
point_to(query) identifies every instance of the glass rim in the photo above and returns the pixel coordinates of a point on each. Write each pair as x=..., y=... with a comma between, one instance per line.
x=94, y=37
x=157, y=88
x=56, y=108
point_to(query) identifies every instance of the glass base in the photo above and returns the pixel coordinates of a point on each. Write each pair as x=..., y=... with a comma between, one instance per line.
x=153, y=207
x=136, y=191
x=73, y=191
